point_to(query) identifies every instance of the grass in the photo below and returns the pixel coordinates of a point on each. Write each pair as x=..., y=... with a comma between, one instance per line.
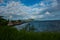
x=9, y=33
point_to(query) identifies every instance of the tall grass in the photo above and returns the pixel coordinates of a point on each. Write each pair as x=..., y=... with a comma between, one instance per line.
x=8, y=33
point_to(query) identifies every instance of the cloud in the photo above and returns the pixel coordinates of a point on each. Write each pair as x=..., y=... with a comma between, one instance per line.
x=40, y=16
x=25, y=12
x=47, y=13
x=18, y=8
x=42, y=4
x=1, y=1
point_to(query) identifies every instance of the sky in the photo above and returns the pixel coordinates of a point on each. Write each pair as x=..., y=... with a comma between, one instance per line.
x=30, y=9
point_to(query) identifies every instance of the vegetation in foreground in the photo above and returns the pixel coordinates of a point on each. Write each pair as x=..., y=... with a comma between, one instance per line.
x=10, y=33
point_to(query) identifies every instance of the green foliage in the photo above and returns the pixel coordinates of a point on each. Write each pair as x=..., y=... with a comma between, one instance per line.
x=10, y=33
x=3, y=22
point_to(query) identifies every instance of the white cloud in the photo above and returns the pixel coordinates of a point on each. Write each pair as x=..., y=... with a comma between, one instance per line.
x=40, y=16
x=10, y=17
x=47, y=13
x=42, y=4
x=37, y=16
x=17, y=8
x=54, y=3
x=1, y=1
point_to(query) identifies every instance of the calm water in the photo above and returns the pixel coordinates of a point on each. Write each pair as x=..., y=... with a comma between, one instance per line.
x=41, y=26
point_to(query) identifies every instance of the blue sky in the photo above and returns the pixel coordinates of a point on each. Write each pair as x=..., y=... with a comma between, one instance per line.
x=30, y=2
x=30, y=9
x=25, y=2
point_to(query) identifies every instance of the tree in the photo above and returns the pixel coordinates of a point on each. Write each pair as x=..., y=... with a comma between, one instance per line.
x=2, y=21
